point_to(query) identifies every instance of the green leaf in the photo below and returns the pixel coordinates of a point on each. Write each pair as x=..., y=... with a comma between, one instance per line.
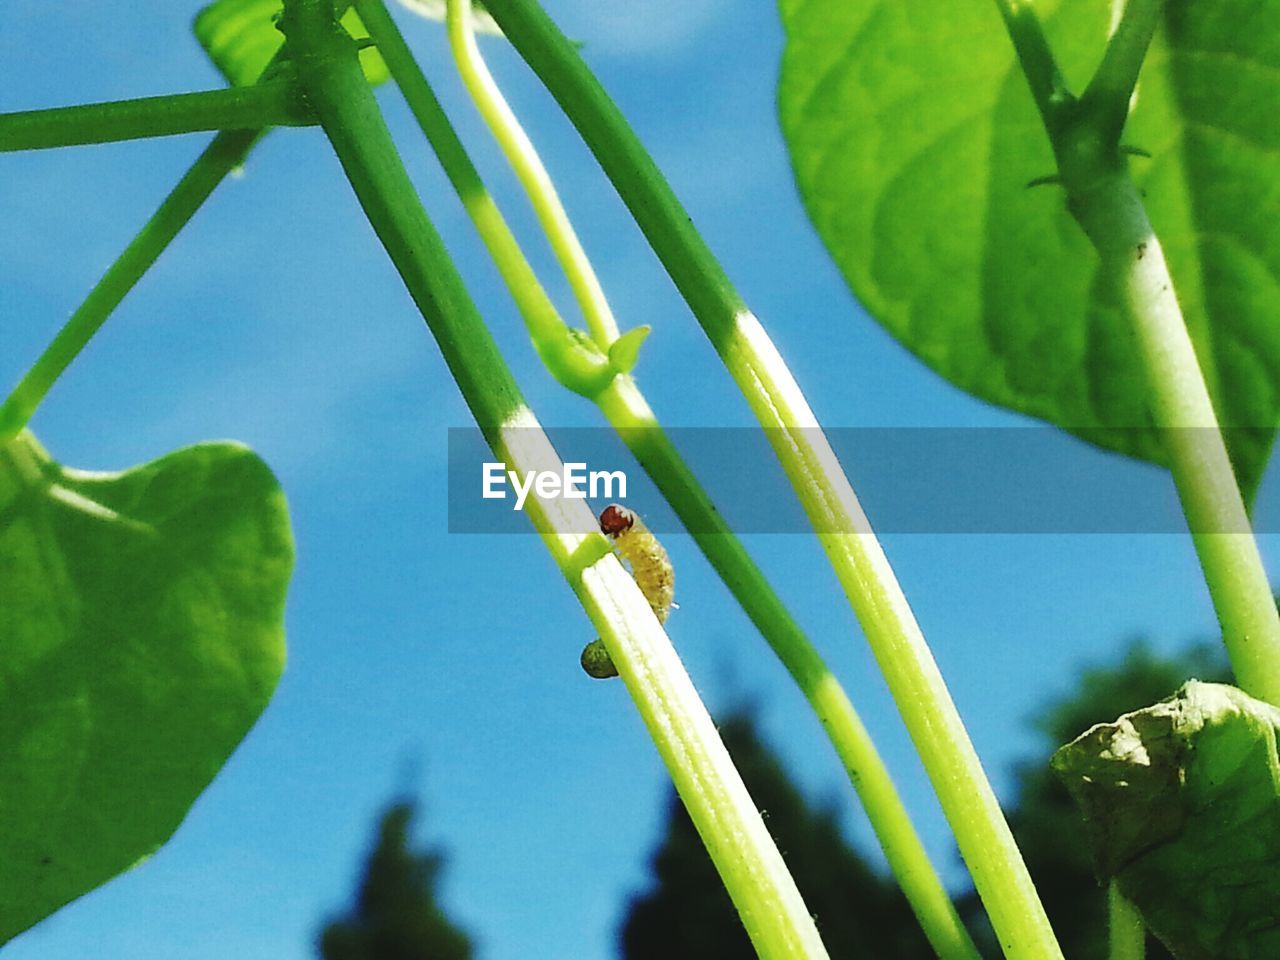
x=1182, y=805
x=624, y=353
x=240, y=36
x=913, y=137
x=141, y=629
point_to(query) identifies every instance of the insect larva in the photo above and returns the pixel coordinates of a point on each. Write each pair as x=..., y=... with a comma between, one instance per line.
x=647, y=558
x=650, y=566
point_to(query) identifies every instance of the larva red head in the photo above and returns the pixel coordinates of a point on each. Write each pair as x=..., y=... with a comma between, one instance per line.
x=615, y=519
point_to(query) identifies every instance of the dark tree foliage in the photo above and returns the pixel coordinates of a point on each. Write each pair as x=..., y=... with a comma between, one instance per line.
x=860, y=913
x=396, y=916
x=688, y=916
x=1046, y=822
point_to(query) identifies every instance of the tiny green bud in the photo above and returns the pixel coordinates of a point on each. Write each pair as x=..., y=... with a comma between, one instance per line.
x=625, y=351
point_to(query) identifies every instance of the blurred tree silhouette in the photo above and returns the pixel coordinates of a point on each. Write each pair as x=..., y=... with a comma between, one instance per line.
x=688, y=915
x=860, y=912
x=396, y=916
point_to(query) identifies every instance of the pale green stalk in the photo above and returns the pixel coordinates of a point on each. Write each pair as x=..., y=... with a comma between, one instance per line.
x=1085, y=135
x=773, y=913
x=1126, y=934
x=627, y=410
x=860, y=564
x=533, y=175
x=1114, y=217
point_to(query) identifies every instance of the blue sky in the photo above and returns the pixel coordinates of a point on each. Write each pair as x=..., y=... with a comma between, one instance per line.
x=450, y=661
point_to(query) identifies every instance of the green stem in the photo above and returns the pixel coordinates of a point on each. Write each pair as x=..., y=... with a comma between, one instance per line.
x=626, y=409
x=1109, y=207
x=753, y=871
x=275, y=103
x=224, y=154
x=1048, y=86
x=1127, y=937
x=543, y=318
x=569, y=359
x=861, y=566
x=1108, y=96
x=533, y=175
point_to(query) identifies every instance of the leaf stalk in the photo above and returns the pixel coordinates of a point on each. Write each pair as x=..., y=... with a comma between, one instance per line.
x=272, y=103
x=1108, y=206
x=1048, y=85
x=1111, y=212
x=753, y=871
x=864, y=572
x=627, y=410
x=1107, y=99
x=1126, y=934
x=224, y=154
x=524, y=159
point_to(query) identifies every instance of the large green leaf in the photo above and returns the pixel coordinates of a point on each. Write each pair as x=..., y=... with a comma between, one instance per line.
x=240, y=37
x=141, y=636
x=913, y=138
x=1182, y=805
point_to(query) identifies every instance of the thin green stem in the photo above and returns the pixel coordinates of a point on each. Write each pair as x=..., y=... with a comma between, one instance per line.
x=1110, y=92
x=543, y=318
x=274, y=103
x=1127, y=937
x=574, y=362
x=753, y=871
x=533, y=175
x=861, y=566
x=1109, y=207
x=626, y=409
x=224, y=154
x=1048, y=86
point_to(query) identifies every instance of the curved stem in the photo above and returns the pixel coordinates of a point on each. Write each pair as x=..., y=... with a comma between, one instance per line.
x=224, y=154
x=753, y=871
x=626, y=409
x=552, y=338
x=860, y=564
x=533, y=175
x=275, y=103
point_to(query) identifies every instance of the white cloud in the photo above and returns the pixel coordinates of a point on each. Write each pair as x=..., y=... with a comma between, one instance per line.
x=638, y=28
x=435, y=10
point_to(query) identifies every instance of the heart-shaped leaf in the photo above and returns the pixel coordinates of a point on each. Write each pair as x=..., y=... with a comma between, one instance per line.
x=240, y=37
x=913, y=138
x=141, y=630
x=1182, y=805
